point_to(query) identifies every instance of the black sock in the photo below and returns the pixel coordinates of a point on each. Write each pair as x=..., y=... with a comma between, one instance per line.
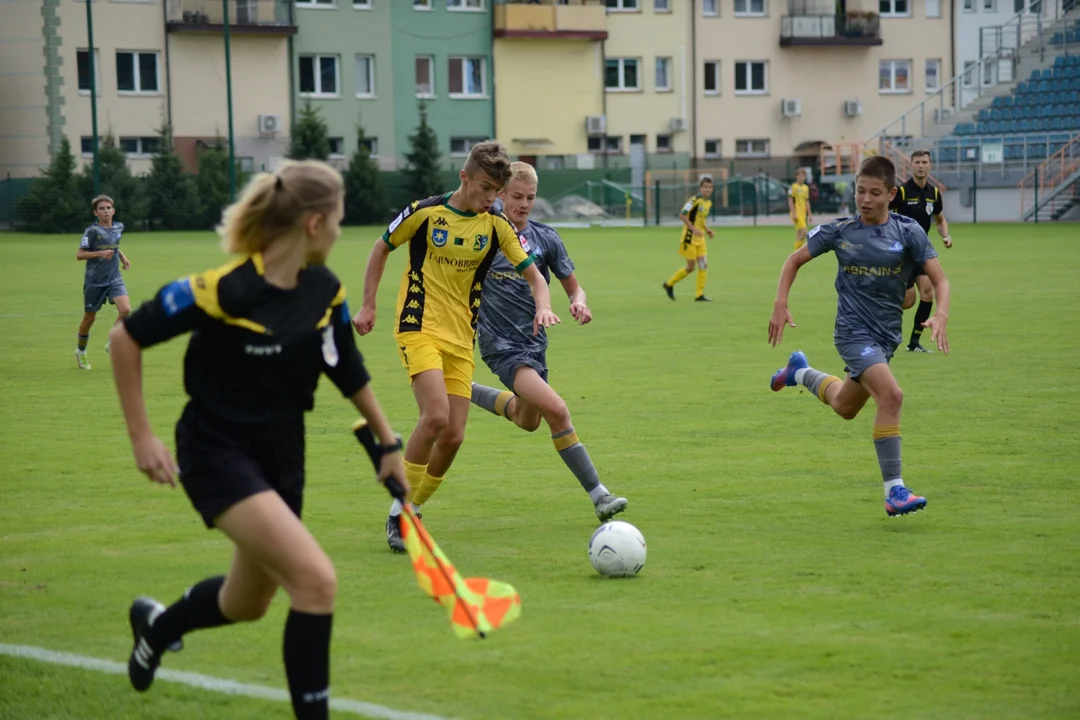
x=307, y=664
x=922, y=314
x=198, y=609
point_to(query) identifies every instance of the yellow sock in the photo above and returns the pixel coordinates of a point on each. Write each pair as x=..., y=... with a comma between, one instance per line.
x=427, y=488
x=799, y=244
x=503, y=402
x=679, y=275
x=825, y=386
x=701, y=275
x=414, y=473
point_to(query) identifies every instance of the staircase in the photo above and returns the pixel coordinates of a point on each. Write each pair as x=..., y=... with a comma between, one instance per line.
x=1053, y=188
x=903, y=164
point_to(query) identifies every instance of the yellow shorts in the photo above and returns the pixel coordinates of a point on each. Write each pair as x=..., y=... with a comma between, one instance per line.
x=420, y=352
x=800, y=223
x=693, y=251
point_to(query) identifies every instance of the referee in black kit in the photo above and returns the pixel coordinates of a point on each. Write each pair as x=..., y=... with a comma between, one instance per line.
x=263, y=329
x=921, y=201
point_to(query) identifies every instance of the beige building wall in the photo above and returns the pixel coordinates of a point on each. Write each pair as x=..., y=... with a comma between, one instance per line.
x=24, y=142
x=821, y=78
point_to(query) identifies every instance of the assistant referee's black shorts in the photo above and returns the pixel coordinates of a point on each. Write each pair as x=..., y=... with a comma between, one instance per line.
x=222, y=462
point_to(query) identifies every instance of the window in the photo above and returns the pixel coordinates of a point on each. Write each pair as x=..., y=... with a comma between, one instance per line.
x=969, y=5
x=661, y=6
x=712, y=77
x=969, y=73
x=316, y=3
x=461, y=146
x=663, y=74
x=622, y=5
x=609, y=145
x=86, y=145
x=137, y=72
x=709, y=8
x=467, y=77
x=752, y=148
x=82, y=61
x=712, y=148
x=425, y=76
x=361, y=4
x=750, y=78
x=246, y=164
x=621, y=74
x=554, y=162
x=139, y=146
x=894, y=76
x=421, y=5
x=753, y=8
x=933, y=8
x=319, y=75
x=989, y=5
x=372, y=145
x=895, y=8
x=365, y=76
x=988, y=74
x=933, y=75
x=464, y=4
x=337, y=147
x=663, y=143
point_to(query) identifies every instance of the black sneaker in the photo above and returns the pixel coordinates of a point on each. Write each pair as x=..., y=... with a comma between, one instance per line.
x=669, y=290
x=143, y=661
x=393, y=534
x=702, y=298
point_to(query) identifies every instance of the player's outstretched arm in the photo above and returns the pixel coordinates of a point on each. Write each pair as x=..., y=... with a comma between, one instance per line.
x=390, y=464
x=364, y=320
x=781, y=316
x=542, y=298
x=579, y=310
x=942, y=298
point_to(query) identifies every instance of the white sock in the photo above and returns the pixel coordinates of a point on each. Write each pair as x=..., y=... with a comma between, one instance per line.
x=395, y=508
x=890, y=484
x=79, y=352
x=597, y=492
x=800, y=374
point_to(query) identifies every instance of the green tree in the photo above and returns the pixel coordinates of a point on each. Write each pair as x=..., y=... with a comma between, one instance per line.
x=213, y=183
x=172, y=199
x=365, y=202
x=118, y=183
x=422, y=160
x=54, y=203
x=310, y=139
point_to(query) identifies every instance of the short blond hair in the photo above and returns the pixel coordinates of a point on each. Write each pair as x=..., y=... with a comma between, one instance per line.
x=100, y=199
x=274, y=204
x=524, y=172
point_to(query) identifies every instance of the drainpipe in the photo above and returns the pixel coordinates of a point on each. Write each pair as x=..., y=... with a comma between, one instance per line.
x=168, y=71
x=292, y=68
x=603, y=99
x=693, y=85
x=952, y=46
x=491, y=62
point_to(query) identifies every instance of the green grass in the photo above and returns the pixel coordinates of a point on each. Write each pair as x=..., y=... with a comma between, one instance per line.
x=775, y=585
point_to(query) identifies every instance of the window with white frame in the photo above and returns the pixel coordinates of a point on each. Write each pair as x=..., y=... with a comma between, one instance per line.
x=621, y=74
x=319, y=76
x=894, y=76
x=82, y=62
x=710, y=8
x=623, y=5
x=969, y=73
x=609, y=145
x=468, y=77
x=460, y=146
x=372, y=145
x=422, y=5
x=752, y=148
x=661, y=6
x=933, y=75
x=711, y=77
x=464, y=4
x=316, y=3
x=969, y=5
x=139, y=146
x=663, y=144
x=712, y=148
x=933, y=8
x=894, y=8
x=663, y=74
x=750, y=8
x=365, y=76
x=989, y=5
x=137, y=72
x=361, y=4
x=750, y=78
x=337, y=147
x=425, y=76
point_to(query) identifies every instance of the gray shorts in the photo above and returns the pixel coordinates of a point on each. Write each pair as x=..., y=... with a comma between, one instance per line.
x=94, y=296
x=505, y=363
x=858, y=355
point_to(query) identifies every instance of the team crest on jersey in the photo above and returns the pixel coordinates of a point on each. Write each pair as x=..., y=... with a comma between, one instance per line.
x=480, y=243
x=439, y=237
x=524, y=243
x=814, y=232
x=929, y=208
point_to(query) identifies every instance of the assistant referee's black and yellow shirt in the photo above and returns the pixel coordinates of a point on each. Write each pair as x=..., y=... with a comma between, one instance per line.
x=920, y=204
x=450, y=251
x=256, y=351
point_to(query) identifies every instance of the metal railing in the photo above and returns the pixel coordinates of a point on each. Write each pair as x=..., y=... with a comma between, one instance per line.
x=1055, y=171
x=857, y=28
x=242, y=13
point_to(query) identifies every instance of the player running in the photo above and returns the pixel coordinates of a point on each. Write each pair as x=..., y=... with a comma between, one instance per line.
x=518, y=355
x=877, y=253
x=100, y=248
x=799, y=206
x=694, y=217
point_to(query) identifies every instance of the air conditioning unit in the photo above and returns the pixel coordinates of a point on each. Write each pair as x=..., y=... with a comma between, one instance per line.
x=791, y=107
x=595, y=124
x=852, y=108
x=269, y=124
x=678, y=124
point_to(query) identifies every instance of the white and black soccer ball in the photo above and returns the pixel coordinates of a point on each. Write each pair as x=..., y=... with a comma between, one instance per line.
x=617, y=549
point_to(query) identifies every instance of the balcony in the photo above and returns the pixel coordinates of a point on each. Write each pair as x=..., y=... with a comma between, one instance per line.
x=853, y=29
x=576, y=20
x=246, y=17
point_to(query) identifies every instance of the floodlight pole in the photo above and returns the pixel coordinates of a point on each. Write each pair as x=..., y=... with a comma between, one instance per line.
x=228, y=100
x=93, y=95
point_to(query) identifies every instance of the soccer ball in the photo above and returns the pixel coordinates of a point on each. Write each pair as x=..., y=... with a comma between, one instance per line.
x=617, y=549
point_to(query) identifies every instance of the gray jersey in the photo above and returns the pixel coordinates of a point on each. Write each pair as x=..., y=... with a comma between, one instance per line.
x=507, y=307
x=876, y=262
x=99, y=271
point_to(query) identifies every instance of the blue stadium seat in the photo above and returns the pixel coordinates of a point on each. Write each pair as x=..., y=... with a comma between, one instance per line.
x=1059, y=61
x=1012, y=126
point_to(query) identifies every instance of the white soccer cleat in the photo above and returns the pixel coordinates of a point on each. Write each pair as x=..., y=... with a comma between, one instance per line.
x=81, y=361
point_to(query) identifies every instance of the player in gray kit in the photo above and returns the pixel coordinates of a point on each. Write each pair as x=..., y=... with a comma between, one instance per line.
x=100, y=248
x=515, y=349
x=878, y=253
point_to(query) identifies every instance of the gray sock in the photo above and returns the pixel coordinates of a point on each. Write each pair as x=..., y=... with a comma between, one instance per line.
x=888, y=457
x=812, y=379
x=488, y=398
x=576, y=457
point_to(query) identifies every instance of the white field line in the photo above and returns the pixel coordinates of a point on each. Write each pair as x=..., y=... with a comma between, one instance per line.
x=205, y=682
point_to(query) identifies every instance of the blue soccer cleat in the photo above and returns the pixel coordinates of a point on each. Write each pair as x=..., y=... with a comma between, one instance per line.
x=785, y=376
x=902, y=501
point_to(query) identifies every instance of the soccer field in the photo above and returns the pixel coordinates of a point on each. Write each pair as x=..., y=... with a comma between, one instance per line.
x=775, y=585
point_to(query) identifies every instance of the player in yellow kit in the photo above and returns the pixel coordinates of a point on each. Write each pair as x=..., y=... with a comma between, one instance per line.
x=799, y=206
x=694, y=216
